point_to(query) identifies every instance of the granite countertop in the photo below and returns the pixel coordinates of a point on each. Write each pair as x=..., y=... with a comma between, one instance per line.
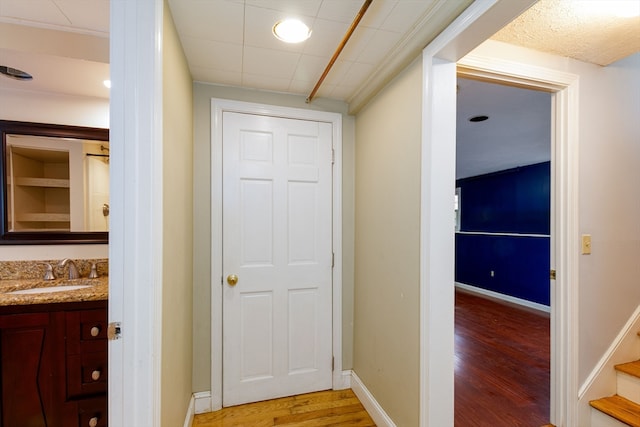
x=97, y=289
x=25, y=275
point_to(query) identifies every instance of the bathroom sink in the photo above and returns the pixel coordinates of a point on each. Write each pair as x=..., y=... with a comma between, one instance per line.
x=49, y=289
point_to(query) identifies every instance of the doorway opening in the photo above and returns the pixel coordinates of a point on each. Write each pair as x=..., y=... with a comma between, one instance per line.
x=502, y=255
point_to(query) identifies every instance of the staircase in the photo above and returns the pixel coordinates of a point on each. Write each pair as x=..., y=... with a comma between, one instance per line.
x=623, y=408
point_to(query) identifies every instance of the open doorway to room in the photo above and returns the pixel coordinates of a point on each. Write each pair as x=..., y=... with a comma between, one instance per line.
x=503, y=255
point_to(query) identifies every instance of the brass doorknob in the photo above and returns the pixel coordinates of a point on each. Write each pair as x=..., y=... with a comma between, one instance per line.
x=232, y=279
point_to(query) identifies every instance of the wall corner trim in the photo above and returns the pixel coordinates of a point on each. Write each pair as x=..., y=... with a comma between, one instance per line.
x=369, y=402
x=188, y=419
x=203, y=402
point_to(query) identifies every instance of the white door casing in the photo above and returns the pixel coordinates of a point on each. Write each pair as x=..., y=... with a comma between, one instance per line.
x=327, y=122
x=277, y=242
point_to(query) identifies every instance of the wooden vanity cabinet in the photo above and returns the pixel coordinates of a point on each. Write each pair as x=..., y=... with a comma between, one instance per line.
x=53, y=365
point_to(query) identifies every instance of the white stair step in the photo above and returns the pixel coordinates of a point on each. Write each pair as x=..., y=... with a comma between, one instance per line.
x=600, y=419
x=628, y=381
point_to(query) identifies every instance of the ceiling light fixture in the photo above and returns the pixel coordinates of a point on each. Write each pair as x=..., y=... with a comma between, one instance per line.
x=14, y=73
x=291, y=31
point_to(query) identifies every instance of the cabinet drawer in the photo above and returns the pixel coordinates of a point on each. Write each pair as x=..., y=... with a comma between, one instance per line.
x=92, y=412
x=86, y=374
x=86, y=331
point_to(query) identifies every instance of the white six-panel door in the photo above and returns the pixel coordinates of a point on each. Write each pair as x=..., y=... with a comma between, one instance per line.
x=277, y=228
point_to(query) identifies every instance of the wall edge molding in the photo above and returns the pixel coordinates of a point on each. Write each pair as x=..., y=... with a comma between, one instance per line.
x=202, y=402
x=369, y=402
x=188, y=419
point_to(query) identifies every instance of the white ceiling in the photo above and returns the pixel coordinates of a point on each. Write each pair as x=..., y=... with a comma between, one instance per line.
x=517, y=133
x=230, y=41
x=64, y=44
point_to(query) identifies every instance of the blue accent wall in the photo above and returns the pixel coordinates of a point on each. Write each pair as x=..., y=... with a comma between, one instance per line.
x=515, y=201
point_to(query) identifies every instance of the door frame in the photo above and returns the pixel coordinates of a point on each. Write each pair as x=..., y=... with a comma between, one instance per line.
x=218, y=107
x=438, y=165
x=564, y=216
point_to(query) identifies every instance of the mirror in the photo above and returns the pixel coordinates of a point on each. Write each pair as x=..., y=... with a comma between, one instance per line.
x=55, y=184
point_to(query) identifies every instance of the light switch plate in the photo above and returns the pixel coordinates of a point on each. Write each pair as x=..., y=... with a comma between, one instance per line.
x=586, y=244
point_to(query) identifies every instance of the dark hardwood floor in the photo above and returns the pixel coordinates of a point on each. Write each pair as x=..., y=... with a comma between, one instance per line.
x=502, y=364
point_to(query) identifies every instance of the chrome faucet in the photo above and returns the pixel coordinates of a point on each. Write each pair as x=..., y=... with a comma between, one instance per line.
x=73, y=270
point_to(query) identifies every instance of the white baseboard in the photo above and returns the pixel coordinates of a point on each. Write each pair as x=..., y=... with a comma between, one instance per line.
x=369, y=402
x=342, y=381
x=503, y=297
x=188, y=419
x=203, y=402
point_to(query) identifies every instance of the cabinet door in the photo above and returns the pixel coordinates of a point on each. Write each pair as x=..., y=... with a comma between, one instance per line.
x=26, y=370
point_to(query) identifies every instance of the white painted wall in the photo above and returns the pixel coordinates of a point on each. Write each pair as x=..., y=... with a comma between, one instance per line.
x=609, y=201
x=28, y=106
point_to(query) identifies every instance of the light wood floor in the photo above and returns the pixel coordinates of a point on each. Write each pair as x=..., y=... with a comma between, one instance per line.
x=325, y=408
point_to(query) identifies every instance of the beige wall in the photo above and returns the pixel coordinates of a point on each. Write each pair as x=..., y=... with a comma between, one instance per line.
x=387, y=268
x=202, y=215
x=177, y=244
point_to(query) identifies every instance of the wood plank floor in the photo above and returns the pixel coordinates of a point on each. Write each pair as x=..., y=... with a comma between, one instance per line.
x=325, y=408
x=502, y=373
x=502, y=364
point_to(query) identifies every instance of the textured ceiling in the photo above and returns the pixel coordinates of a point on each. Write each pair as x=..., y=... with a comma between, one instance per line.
x=570, y=28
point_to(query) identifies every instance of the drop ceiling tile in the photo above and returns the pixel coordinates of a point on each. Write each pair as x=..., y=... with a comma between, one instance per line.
x=378, y=13
x=326, y=93
x=325, y=38
x=310, y=68
x=342, y=92
x=220, y=20
x=90, y=16
x=229, y=78
x=341, y=11
x=301, y=87
x=43, y=12
x=359, y=40
x=379, y=46
x=338, y=72
x=404, y=12
x=290, y=7
x=357, y=73
x=279, y=84
x=211, y=54
x=267, y=62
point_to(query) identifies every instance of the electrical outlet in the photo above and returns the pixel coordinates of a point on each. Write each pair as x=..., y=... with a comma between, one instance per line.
x=493, y=273
x=586, y=244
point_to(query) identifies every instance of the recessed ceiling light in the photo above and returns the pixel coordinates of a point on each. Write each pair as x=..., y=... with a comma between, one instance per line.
x=476, y=119
x=291, y=31
x=14, y=73
x=107, y=84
